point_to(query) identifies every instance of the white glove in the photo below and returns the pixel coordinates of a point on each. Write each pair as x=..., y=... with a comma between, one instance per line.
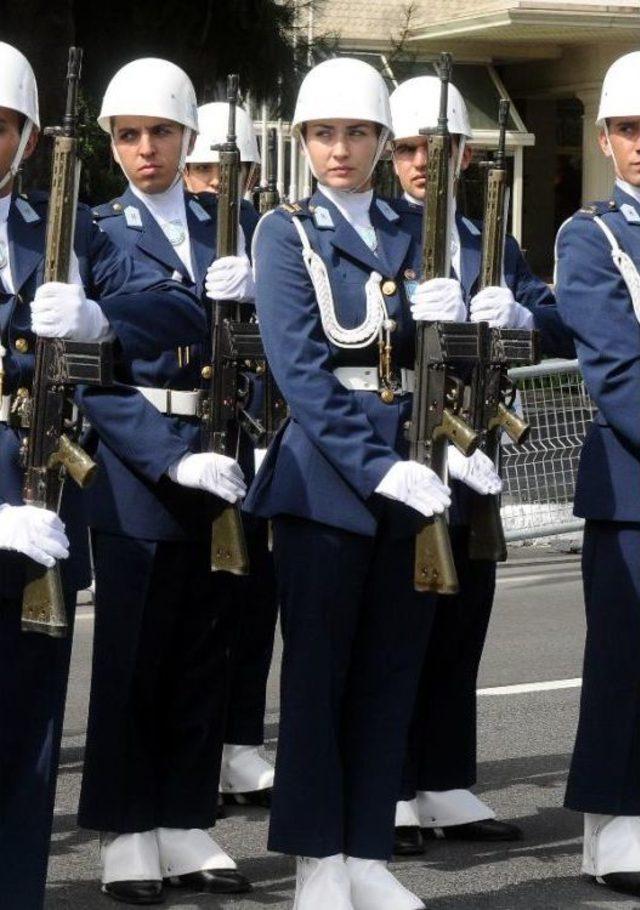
x=212, y=473
x=62, y=311
x=417, y=486
x=438, y=300
x=38, y=533
x=230, y=278
x=477, y=471
x=499, y=308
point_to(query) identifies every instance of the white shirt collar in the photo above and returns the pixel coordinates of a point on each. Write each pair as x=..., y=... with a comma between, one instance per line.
x=353, y=206
x=412, y=200
x=167, y=206
x=5, y=205
x=629, y=189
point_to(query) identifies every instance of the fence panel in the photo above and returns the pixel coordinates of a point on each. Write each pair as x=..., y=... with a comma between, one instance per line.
x=539, y=476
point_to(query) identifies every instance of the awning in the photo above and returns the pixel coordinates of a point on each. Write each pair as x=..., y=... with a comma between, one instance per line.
x=479, y=85
x=528, y=29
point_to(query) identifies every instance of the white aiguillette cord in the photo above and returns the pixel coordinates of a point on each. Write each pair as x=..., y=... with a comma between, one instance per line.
x=376, y=311
x=625, y=265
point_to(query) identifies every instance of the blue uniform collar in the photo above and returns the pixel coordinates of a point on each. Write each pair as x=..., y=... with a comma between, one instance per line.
x=393, y=242
x=470, y=252
x=26, y=244
x=151, y=239
x=201, y=221
x=624, y=199
x=470, y=242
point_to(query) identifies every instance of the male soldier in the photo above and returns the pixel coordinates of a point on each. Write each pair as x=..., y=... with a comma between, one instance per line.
x=598, y=292
x=441, y=757
x=34, y=667
x=245, y=776
x=164, y=621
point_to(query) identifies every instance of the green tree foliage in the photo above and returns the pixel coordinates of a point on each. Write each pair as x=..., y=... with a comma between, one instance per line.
x=264, y=41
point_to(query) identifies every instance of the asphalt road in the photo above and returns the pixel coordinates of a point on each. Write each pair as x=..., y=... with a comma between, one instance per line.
x=525, y=740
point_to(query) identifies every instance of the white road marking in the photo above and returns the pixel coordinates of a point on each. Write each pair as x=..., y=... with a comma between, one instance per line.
x=566, y=575
x=524, y=688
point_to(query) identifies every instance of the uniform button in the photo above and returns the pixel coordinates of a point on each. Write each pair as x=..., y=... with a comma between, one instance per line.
x=410, y=275
x=22, y=345
x=117, y=207
x=388, y=288
x=205, y=372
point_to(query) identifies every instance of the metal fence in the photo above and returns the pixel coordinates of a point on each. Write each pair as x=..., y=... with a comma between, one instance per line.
x=539, y=476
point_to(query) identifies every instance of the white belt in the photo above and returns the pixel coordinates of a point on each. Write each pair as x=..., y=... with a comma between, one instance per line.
x=172, y=402
x=366, y=379
x=5, y=408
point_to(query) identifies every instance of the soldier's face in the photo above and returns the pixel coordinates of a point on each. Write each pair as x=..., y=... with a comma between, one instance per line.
x=148, y=149
x=410, y=157
x=342, y=152
x=10, y=130
x=205, y=178
x=202, y=178
x=623, y=144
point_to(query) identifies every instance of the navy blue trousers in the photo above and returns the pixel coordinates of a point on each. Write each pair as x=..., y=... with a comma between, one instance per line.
x=253, y=650
x=33, y=682
x=354, y=635
x=442, y=742
x=161, y=667
x=604, y=776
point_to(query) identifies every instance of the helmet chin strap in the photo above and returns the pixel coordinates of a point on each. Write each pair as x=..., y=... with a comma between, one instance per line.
x=462, y=144
x=382, y=141
x=17, y=158
x=613, y=154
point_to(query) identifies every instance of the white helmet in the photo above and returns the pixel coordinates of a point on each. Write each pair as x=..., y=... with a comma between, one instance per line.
x=342, y=88
x=150, y=87
x=213, y=120
x=18, y=92
x=415, y=105
x=620, y=93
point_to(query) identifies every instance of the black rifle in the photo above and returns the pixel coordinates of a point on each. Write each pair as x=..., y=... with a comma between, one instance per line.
x=269, y=196
x=438, y=395
x=49, y=450
x=221, y=409
x=491, y=391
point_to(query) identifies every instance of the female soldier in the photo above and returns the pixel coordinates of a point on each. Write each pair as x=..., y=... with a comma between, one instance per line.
x=344, y=500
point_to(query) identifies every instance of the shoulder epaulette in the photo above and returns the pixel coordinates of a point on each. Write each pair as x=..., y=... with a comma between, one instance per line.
x=297, y=208
x=206, y=199
x=293, y=208
x=602, y=207
x=108, y=210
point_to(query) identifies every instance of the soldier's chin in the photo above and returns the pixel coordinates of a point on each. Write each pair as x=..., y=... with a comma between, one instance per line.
x=418, y=188
x=154, y=183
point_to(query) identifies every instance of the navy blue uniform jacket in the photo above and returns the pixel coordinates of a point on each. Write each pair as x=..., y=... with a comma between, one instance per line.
x=327, y=461
x=596, y=306
x=130, y=295
x=132, y=494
